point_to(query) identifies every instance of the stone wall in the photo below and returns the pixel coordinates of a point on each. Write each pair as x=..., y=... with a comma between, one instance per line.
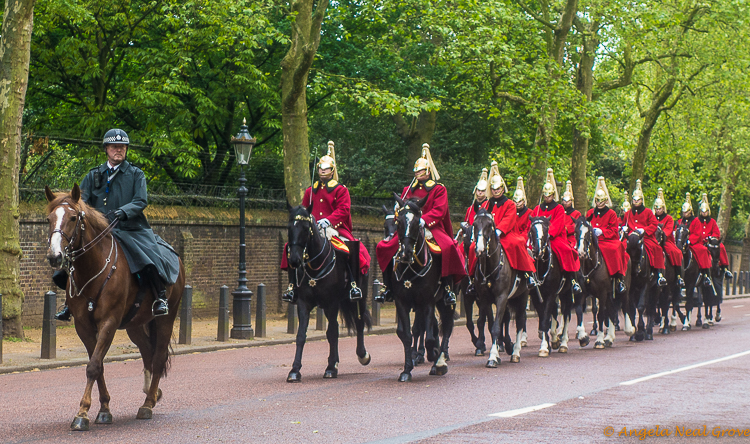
x=207, y=240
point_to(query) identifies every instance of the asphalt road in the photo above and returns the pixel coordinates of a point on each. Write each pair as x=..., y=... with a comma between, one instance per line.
x=241, y=395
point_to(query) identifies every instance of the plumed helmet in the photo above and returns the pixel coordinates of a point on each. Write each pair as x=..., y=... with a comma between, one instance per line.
x=660, y=202
x=482, y=183
x=705, y=207
x=425, y=162
x=568, y=194
x=626, y=204
x=688, y=204
x=329, y=161
x=115, y=137
x=601, y=194
x=496, y=180
x=520, y=194
x=550, y=186
x=638, y=192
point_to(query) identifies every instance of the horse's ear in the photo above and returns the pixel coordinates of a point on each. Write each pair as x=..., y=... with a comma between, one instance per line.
x=476, y=207
x=423, y=201
x=75, y=193
x=49, y=194
x=385, y=210
x=398, y=199
x=309, y=209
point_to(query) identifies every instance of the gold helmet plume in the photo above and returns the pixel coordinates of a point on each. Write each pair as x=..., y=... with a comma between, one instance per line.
x=425, y=162
x=688, y=204
x=660, y=202
x=496, y=180
x=601, y=194
x=705, y=207
x=638, y=192
x=482, y=183
x=626, y=204
x=329, y=161
x=568, y=194
x=520, y=194
x=550, y=186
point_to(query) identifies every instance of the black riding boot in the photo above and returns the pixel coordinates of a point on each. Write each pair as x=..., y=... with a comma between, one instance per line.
x=355, y=292
x=471, y=290
x=620, y=285
x=60, y=278
x=707, y=278
x=662, y=282
x=727, y=274
x=385, y=295
x=449, y=295
x=680, y=281
x=160, y=306
x=575, y=286
x=289, y=295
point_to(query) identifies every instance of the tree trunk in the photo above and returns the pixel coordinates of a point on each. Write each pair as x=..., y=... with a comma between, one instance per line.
x=585, y=84
x=15, y=46
x=295, y=68
x=728, y=184
x=414, y=134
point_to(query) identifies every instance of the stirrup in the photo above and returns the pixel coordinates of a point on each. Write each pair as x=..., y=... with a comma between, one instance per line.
x=64, y=314
x=288, y=295
x=450, y=296
x=680, y=281
x=471, y=290
x=662, y=282
x=621, y=288
x=532, y=281
x=159, y=307
x=355, y=292
x=707, y=282
x=728, y=274
x=575, y=286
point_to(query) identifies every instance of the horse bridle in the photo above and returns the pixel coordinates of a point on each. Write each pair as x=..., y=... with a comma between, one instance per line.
x=326, y=266
x=588, y=253
x=426, y=264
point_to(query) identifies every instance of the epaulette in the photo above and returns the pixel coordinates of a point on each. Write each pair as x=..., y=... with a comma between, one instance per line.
x=331, y=185
x=429, y=185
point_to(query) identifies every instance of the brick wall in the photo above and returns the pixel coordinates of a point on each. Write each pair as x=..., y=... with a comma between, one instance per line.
x=207, y=240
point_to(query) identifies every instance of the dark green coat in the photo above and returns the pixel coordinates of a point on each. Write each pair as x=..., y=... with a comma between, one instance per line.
x=127, y=191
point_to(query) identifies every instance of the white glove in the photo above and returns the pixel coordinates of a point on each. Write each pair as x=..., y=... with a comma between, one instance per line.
x=640, y=231
x=324, y=223
x=498, y=232
x=421, y=222
x=597, y=232
x=625, y=229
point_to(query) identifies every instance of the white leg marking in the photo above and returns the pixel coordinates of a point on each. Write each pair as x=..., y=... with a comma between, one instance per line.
x=629, y=329
x=553, y=330
x=610, y=332
x=441, y=361
x=564, y=334
x=673, y=320
x=494, y=353
x=580, y=332
x=524, y=338
x=517, y=346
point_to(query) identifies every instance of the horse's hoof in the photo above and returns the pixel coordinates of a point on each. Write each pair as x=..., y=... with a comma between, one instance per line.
x=440, y=370
x=294, y=376
x=80, y=424
x=710, y=322
x=584, y=341
x=365, y=359
x=598, y=345
x=705, y=326
x=515, y=359
x=632, y=338
x=608, y=343
x=665, y=331
x=404, y=377
x=523, y=344
x=144, y=413
x=718, y=317
x=593, y=332
x=479, y=352
x=649, y=337
x=698, y=323
x=103, y=418
x=491, y=363
x=543, y=353
x=639, y=336
x=686, y=328
x=331, y=374
x=555, y=345
x=672, y=328
x=562, y=349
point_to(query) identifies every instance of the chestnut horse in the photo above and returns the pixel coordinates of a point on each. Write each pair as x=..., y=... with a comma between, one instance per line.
x=102, y=296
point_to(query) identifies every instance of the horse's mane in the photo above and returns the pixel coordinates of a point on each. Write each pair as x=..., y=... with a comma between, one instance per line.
x=95, y=220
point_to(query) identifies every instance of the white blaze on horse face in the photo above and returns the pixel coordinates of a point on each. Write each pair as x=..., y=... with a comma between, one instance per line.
x=581, y=251
x=409, y=217
x=480, y=243
x=539, y=234
x=56, y=239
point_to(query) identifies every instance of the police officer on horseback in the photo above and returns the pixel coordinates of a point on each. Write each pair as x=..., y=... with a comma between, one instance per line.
x=117, y=189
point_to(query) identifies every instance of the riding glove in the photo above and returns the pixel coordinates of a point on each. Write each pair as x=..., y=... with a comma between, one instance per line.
x=421, y=222
x=597, y=232
x=120, y=215
x=324, y=223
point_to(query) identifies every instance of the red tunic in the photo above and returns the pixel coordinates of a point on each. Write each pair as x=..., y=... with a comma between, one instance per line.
x=571, y=228
x=469, y=218
x=523, y=224
x=504, y=212
x=700, y=231
x=615, y=256
x=331, y=201
x=646, y=220
x=670, y=248
x=437, y=219
x=558, y=234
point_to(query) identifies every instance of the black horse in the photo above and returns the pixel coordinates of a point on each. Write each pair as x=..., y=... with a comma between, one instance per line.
x=600, y=286
x=642, y=292
x=552, y=285
x=470, y=297
x=693, y=288
x=669, y=295
x=497, y=283
x=416, y=286
x=714, y=296
x=321, y=277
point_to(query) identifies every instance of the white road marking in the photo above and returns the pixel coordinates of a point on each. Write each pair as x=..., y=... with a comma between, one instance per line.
x=738, y=306
x=689, y=367
x=516, y=412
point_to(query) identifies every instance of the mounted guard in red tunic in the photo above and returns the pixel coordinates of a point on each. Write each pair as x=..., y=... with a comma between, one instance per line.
x=522, y=211
x=666, y=223
x=480, y=201
x=568, y=203
x=437, y=222
x=330, y=204
x=642, y=220
x=701, y=228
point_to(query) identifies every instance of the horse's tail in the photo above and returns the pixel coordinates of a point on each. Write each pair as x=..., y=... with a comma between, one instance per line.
x=352, y=310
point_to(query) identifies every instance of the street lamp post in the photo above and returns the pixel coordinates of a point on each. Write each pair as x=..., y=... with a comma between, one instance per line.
x=241, y=297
